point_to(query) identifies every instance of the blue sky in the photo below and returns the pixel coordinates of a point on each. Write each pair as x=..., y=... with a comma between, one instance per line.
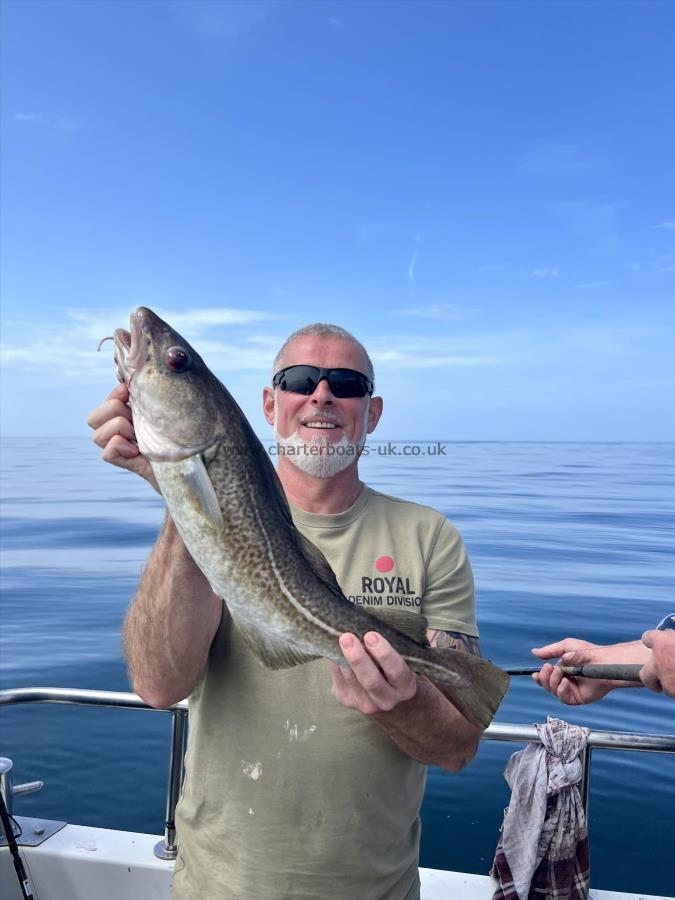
x=482, y=192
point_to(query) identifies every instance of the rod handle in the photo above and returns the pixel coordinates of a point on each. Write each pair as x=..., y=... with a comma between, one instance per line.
x=618, y=672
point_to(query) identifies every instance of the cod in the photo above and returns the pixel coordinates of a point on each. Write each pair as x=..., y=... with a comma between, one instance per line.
x=226, y=500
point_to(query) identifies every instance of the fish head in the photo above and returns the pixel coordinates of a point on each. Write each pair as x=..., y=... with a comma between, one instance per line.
x=172, y=394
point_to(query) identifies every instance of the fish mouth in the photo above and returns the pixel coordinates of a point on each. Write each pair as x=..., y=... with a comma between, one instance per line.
x=130, y=350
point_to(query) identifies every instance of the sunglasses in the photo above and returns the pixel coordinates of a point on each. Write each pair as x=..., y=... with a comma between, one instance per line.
x=305, y=380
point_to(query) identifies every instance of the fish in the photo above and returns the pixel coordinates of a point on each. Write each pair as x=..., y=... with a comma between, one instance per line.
x=225, y=498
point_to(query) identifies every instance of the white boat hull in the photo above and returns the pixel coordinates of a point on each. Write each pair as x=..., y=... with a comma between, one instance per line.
x=81, y=863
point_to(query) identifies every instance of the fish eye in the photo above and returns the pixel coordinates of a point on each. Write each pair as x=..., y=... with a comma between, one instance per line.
x=178, y=359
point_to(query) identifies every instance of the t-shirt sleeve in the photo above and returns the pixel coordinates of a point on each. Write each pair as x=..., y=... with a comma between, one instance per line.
x=448, y=601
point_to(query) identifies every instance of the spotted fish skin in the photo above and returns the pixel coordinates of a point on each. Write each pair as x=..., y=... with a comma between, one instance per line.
x=227, y=502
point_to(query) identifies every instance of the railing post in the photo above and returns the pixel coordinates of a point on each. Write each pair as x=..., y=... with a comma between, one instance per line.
x=166, y=849
x=586, y=779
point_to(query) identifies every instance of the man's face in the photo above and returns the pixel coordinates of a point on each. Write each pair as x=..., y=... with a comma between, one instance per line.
x=322, y=416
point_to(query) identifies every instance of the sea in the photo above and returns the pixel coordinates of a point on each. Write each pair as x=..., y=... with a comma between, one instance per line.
x=566, y=539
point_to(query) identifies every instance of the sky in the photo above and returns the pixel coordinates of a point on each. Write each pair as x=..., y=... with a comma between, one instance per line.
x=482, y=192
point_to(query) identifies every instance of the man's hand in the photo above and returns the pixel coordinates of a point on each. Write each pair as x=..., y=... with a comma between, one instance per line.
x=572, y=652
x=658, y=673
x=377, y=679
x=113, y=426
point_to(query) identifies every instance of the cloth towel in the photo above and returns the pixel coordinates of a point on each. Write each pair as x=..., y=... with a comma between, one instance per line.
x=543, y=848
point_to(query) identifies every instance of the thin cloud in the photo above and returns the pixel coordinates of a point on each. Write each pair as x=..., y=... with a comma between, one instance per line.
x=444, y=312
x=666, y=226
x=430, y=352
x=432, y=362
x=595, y=223
x=413, y=261
x=224, y=315
x=545, y=272
x=67, y=348
x=491, y=267
x=217, y=19
x=371, y=231
x=191, y=321
x=556, y=158
x=62, y=124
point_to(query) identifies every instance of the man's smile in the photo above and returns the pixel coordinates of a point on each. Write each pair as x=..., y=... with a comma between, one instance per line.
x=321, y=423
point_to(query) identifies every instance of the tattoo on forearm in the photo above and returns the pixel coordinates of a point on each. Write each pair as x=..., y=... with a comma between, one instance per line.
x=453, y=640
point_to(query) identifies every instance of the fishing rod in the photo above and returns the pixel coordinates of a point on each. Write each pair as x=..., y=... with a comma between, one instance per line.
x=609, y=671
x=7, y=824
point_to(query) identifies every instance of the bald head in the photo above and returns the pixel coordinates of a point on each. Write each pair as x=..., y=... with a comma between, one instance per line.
x=331, y=332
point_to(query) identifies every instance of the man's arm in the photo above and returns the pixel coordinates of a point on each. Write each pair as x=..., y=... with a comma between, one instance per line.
x=170, y=624
x=413, y=713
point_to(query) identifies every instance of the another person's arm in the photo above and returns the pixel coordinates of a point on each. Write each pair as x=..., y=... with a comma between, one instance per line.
x=574, y=652
x=658, y=673
x=174, y=616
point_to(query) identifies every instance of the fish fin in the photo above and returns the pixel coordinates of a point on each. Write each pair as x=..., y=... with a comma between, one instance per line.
x=272, y=653
x=479, y=698
x=318, y=563
x=414, y=625
x=200, y=491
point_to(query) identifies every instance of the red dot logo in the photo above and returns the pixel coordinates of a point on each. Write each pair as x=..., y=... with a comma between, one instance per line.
x=384, y=564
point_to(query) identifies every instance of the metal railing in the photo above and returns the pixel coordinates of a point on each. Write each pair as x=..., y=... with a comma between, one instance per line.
x=166, y=849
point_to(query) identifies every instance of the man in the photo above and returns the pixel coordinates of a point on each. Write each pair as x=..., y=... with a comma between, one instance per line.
x=289, y=793
x=655, y=652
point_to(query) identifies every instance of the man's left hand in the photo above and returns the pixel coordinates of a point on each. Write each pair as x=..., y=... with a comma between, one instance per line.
x=659, y=673
x=377, y=677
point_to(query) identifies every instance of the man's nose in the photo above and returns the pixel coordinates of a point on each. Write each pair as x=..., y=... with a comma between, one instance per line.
x=323, y=393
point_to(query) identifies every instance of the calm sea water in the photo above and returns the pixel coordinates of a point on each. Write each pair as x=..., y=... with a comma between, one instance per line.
x=565, y=539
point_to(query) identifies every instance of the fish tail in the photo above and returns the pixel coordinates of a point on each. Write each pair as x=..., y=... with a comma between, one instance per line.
x=478, y=698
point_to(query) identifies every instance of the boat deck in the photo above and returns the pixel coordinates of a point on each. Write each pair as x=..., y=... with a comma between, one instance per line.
x=79, y=862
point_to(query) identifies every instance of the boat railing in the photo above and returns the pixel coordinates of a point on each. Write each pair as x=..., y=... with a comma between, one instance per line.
x=166, y=849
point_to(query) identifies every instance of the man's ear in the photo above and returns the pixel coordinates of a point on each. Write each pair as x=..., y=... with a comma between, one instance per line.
x=268, y=405
x=374, y=412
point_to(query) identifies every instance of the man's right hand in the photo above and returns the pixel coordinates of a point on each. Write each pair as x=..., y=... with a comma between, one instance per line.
x=113, y=426
x=574, y=652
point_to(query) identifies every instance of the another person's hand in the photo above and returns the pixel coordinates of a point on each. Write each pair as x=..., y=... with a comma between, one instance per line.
x=377, y=679
x=573, y=652
x=658, y=673
x=113, y=426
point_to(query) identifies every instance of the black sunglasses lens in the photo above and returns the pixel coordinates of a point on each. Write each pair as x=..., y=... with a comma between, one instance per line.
x=346, y=383
x=300, y=380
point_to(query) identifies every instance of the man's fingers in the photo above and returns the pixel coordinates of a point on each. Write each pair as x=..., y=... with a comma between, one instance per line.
x=347, y=690
x=553, y=651
x=367, y=674
x=649, y=677
x=396, y=671
x=119, y=392
x=575, y=658
x=120, y=425
x=648, y=638
x=109, y=409
x=119, y=447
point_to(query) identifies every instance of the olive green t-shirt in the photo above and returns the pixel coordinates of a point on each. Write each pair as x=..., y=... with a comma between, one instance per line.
x=287, y=793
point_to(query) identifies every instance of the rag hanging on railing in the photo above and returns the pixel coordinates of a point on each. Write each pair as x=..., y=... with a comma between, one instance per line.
x=543, y=847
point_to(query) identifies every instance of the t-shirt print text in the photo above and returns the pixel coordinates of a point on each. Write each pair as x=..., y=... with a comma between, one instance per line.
x=386, y=590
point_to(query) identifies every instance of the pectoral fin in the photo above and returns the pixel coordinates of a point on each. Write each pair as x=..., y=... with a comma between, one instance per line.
x=273, y=652
x=199, y=490
x=414, y=625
